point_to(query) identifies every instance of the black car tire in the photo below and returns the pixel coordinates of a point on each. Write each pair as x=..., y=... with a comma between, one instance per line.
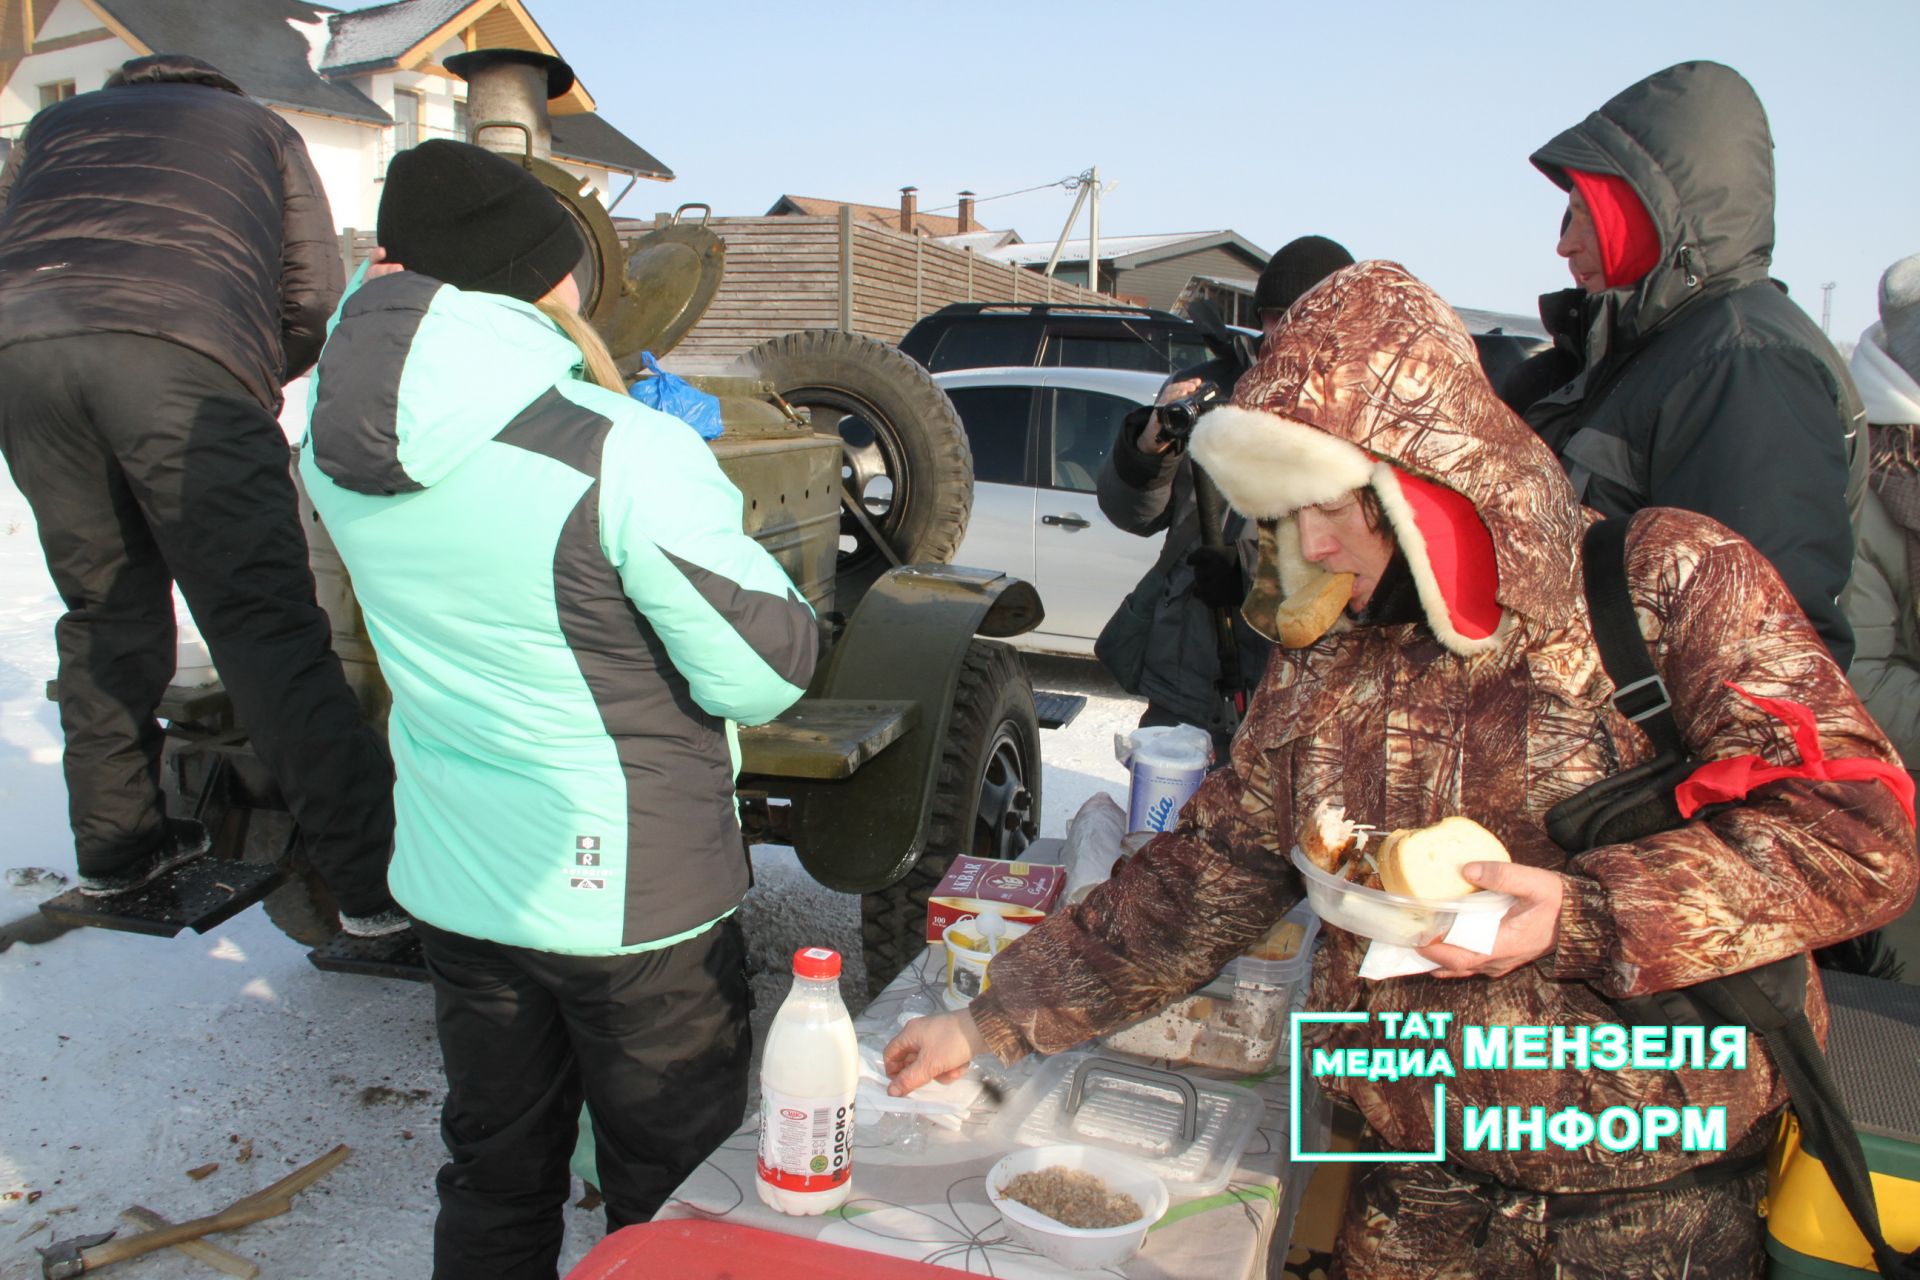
x=894, y=423
x=986, y=802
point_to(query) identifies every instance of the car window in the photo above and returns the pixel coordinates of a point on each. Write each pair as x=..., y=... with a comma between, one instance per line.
x=1188, y=353
x=999, y=424
x=1116, y=351
x=983, y=344
x=1085, y=424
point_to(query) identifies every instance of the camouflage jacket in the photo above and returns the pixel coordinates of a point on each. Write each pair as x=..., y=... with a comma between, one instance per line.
x=1499, y=720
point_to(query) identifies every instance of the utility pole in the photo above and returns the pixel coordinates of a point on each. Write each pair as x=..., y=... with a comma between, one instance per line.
x=1087, y=184
x=1093, y=231
x=1826, y=305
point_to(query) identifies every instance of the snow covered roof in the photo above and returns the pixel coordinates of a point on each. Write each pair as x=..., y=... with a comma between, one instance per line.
x=257, y=45
x=385, y=33
x=1142, y=249
x=980, y=241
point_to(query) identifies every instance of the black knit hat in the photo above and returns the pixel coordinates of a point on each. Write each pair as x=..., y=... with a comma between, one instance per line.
x=476, y=220
x=1300, y=265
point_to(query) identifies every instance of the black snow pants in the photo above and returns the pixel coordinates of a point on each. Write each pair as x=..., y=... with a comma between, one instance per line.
x=656, y=1042
x=146, y=464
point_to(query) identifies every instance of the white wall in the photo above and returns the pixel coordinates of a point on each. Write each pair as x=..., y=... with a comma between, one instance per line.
x=343, y=153
x=87, y=65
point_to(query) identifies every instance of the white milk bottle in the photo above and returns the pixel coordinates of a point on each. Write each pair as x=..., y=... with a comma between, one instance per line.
x=808, y=1076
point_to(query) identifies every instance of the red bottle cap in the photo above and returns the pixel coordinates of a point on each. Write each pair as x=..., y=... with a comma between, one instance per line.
x=816, y=962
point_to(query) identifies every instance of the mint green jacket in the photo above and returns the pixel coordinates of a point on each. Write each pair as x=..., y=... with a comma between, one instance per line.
x=567, y=612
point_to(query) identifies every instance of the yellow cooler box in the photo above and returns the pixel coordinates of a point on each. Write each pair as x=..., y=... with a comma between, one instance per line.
x=1874, y=1050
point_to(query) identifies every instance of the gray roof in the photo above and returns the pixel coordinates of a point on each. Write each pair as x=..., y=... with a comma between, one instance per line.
x=1132, y=251
x=372, y=37
x=253, y=42
x=588, y=137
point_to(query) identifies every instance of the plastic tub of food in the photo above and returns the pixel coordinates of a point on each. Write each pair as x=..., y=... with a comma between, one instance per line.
x=1226, y=1025
x=1282, y=958
x=1078, y=1248
x=1388, y=917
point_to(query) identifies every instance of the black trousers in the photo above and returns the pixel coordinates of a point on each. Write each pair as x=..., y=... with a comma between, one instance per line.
x=146, y=464
x=657, y=1044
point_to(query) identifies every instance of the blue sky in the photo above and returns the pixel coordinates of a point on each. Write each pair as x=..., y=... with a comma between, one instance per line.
x=1401, y=130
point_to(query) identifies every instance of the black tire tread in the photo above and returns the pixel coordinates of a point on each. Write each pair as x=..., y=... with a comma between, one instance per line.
x=994, y=685
x=897, y=386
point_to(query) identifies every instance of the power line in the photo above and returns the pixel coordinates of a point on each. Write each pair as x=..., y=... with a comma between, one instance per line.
x=1069, y=183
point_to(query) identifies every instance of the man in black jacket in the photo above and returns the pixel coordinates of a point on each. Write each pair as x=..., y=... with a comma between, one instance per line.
x=167, y=262
x=1703, y=386
x=1164, y=640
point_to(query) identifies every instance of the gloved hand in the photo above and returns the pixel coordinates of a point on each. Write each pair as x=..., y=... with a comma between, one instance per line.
x=1217, y=582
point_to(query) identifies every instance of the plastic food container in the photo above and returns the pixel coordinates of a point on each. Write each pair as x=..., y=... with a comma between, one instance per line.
x=1388, y=917
x=1189, y=1133
x=1078, y=1248
x=1237, y=1022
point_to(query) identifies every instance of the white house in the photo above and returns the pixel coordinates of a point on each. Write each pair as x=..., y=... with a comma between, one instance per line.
x=358, y=85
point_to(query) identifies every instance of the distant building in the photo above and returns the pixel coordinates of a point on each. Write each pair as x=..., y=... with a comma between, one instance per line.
x=359, y=86
x=1151, y=270
x=961, y=231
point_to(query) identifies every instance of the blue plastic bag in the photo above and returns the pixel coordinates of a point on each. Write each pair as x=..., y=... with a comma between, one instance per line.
x=677, y=396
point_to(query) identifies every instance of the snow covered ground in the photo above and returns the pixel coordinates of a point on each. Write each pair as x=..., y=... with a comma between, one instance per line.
x=126, y=1061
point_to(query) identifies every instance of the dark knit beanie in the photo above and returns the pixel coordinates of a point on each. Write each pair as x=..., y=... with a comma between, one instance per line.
x=1300, y=265
x=476, y=220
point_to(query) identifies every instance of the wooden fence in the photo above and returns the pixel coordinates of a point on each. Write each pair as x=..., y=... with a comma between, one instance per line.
x=789, y=273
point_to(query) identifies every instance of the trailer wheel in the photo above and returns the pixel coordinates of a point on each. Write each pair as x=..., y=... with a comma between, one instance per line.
x=905, y=457
x=986, y=802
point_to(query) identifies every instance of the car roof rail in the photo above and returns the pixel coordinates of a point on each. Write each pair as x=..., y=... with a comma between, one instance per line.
x=1059, y=308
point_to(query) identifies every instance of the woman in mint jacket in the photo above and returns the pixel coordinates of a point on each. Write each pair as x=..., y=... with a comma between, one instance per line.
x=571, y=622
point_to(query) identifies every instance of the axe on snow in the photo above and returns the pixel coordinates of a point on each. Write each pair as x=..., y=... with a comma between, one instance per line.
x=83, y=1255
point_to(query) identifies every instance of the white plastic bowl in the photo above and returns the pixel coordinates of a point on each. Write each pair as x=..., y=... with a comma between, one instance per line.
x=1389, y=917
x=1078, y=1248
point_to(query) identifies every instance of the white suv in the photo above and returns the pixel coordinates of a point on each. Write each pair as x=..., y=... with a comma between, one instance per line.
x=1039, y=437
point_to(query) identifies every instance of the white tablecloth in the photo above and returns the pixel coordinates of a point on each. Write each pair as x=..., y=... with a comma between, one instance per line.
x=930, y=1203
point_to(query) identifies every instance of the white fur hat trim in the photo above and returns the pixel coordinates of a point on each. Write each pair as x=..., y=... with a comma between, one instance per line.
x=1268, y=466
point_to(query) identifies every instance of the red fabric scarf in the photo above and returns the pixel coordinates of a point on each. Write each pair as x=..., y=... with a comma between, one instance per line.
x=1734, y=779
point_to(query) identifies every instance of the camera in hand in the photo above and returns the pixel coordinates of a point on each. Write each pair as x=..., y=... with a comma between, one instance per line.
x=1178, y=416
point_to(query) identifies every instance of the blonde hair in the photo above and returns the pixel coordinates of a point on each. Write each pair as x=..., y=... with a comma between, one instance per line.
x=598, y=361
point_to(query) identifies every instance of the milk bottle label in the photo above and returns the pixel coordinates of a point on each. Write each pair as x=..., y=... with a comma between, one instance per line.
x=806, y=1144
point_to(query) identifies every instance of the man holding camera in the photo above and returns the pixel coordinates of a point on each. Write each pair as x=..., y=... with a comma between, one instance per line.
x=1178, y=639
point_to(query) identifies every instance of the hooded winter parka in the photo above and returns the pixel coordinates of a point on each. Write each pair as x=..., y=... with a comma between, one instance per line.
x=1495, y=706
x=1705, y=387
x=567, y=612
x=176, y=207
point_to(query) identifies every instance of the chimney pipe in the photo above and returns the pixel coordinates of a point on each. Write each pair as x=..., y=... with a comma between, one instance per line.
x=907, y=202
x=966, y=212
x=512, y=86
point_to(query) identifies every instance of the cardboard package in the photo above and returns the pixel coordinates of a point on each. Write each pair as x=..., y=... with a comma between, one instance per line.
x=1023, y=891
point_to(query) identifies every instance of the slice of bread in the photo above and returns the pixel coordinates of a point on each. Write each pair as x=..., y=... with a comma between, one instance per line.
x=1425, y=863
x=1308, y=613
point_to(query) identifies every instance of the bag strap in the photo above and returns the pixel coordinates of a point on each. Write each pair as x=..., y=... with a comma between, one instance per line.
x=1638, y=691
x=1641, y=696
x=1827, y=1130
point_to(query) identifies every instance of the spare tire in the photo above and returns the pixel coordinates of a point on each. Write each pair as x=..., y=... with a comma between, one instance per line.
x=905, y=455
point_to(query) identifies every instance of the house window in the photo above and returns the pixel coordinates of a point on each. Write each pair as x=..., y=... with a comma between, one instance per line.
x=406, y=120
x=58, y=91
x=460, y=120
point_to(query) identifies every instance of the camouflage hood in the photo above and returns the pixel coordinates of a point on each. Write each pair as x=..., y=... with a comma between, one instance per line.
x=1373, y=381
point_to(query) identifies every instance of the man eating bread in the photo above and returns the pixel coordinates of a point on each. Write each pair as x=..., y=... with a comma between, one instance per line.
x=1459, y=677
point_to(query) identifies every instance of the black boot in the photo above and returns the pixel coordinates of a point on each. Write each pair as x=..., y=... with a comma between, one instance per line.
x=185, y=840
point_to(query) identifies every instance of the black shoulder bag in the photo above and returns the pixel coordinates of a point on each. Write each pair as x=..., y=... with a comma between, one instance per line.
x=1638, y=802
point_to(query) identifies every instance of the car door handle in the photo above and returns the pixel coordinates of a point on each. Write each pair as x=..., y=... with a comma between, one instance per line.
x=1066, y=522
